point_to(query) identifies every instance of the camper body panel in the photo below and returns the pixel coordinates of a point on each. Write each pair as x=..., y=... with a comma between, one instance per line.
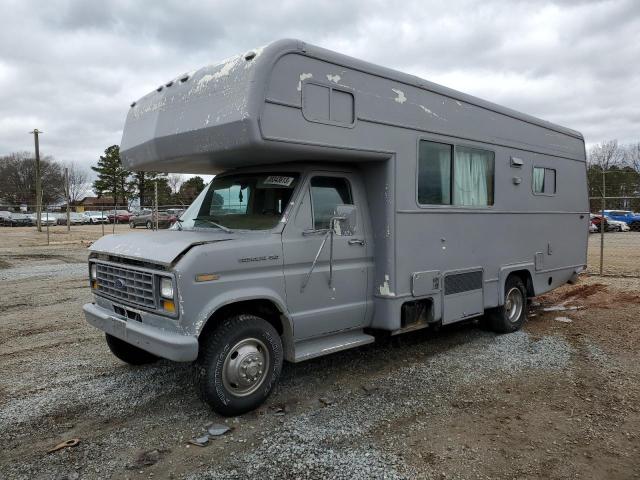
x=298, y=103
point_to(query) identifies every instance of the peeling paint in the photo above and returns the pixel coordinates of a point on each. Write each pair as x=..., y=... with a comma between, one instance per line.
x=459, y=104
x=333, y=78
x=384, y=288
x=303, y=77
x=433, y=114
x=400, y=96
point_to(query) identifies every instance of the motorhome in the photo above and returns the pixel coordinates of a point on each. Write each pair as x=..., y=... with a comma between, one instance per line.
x=349, y=201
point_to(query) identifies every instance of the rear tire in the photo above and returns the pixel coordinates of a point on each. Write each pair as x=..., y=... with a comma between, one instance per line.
x=238, y=365
x=128, y=353
x=132, y=225
x=512, y=314
x=149, y=225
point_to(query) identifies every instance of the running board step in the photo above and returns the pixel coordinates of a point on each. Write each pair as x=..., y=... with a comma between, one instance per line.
x=316, y=347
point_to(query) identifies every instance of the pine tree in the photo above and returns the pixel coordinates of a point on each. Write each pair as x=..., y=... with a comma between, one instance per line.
x=112, y=176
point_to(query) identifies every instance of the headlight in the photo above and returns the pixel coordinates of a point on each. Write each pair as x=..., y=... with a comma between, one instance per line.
x=93, y=272
x=166, y=288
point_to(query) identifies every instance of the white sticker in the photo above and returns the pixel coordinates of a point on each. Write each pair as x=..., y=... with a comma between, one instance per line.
x=278, y=180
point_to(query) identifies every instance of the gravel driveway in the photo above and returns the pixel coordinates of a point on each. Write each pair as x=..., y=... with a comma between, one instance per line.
x=557, y=400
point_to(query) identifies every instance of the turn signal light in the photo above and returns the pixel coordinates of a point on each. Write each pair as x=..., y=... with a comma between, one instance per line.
x=169, y=306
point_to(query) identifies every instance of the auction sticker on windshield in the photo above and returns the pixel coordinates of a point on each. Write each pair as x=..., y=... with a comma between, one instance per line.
x=278, y=180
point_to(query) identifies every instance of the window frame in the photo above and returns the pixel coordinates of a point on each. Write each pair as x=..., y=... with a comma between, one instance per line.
x=453, y=144
x=555, y=183
x=309, y=187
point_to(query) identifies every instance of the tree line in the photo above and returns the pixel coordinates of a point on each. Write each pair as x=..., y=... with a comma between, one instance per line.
x=18, y=180
x=115, y=181
x=613, y=170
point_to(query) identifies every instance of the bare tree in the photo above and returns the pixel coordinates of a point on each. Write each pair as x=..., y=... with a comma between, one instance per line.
x=175, y=180
x=606, y=154
x=79, y=184
x=632, y=156
x=18, y=179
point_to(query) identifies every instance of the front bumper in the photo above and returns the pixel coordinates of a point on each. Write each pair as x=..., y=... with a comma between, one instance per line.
x=169, y=345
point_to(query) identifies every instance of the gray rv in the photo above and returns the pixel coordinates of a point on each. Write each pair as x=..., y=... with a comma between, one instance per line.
x=349, y=200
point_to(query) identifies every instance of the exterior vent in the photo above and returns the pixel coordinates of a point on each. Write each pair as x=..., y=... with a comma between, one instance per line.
x=462, y=282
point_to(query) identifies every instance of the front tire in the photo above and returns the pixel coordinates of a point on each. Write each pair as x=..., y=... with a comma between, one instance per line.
x=238, y=365
x=132, y=225
x=128, y=353
x=512, y=314
x=149, y=225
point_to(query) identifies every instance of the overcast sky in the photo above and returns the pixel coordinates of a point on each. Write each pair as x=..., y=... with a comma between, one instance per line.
x=71, y=68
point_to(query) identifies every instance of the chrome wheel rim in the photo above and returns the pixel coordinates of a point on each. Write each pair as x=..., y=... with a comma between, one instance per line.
x=514, y=303
x=245, y=367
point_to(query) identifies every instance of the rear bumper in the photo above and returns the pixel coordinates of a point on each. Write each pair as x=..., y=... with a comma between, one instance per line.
x=169, y=345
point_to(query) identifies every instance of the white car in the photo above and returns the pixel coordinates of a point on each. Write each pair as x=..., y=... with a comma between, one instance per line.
x=95, y=217
x=617, y=226
x=45, y=218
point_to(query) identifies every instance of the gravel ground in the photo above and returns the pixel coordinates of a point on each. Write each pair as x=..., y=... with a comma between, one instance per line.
x=556, y=400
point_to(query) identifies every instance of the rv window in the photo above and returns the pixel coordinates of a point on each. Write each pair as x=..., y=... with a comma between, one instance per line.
x=544, y=180
x=473, y=177
x=326, y=194
x=434, y=173
x=461, y=176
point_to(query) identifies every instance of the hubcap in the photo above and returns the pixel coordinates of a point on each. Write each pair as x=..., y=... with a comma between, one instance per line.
x=514, y=304
x=245, y=367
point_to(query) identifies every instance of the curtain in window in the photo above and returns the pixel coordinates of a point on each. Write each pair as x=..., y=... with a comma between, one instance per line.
x=473, y=177
x=538, y=180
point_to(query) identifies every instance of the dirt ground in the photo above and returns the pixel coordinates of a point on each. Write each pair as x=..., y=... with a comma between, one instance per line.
x=559, y=400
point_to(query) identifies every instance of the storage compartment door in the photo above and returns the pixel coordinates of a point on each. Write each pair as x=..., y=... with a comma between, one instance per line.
x=462, y=296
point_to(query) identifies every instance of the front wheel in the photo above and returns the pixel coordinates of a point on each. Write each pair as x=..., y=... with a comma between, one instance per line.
x=238, y=365
x=512, y=314
x=149, y=225
x=132, y=225
x=129, y=353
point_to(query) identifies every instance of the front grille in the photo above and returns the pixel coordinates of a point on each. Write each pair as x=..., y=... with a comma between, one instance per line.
x=126, y=284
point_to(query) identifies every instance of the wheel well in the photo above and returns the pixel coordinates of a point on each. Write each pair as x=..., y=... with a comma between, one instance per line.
x=259, y=307
x=525, y=276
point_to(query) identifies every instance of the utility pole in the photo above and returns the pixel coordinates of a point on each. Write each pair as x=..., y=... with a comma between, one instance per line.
x=68, y=195
x=35, y=134
x=602, y=222
x=155, y=191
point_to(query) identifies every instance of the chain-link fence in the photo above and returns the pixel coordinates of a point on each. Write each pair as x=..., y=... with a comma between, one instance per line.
x=614, y=243
x=82, y=223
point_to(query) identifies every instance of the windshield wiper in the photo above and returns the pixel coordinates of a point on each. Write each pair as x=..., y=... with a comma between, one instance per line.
x=211, y=222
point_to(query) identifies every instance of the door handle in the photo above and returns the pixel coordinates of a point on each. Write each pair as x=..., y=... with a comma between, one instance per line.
x=356, y=241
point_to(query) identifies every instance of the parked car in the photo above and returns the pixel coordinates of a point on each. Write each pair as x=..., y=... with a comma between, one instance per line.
x=45, y=218
x=627, y=216
x=617, y=226
x=120, y=216
x=74, y=218
x=148, y=219
x=593, y=228
x=14, y=219
x=608, y=227
x=95, y=217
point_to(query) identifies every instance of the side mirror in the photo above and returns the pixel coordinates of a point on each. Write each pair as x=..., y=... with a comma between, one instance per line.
x=345, y=221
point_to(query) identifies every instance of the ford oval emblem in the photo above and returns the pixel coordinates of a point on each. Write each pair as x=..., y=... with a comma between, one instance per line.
x=120, y=284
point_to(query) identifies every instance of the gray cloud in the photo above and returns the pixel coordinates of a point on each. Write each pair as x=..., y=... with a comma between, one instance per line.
x=71, y=68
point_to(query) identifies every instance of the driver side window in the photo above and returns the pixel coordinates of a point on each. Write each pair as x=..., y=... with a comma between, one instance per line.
x=326, y=194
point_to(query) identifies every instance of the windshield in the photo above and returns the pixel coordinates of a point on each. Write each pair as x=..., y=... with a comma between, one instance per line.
x=242, y=202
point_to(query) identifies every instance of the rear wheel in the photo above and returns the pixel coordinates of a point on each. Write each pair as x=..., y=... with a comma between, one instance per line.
x=512, y=314
x=149, y=225
x=128, y=353
x=132, y=225
x=238, y=365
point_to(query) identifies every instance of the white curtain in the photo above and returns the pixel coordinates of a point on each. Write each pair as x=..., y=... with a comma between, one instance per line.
x=473, y=177
x=538, y=180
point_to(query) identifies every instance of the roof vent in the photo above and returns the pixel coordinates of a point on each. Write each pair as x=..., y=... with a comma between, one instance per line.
x=133, y=104
x=184, y=78
x=169, y=84
x=250, y=55
x=159, y=89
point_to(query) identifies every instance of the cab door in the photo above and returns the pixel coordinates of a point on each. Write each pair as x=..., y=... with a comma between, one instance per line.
x=320, y=308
